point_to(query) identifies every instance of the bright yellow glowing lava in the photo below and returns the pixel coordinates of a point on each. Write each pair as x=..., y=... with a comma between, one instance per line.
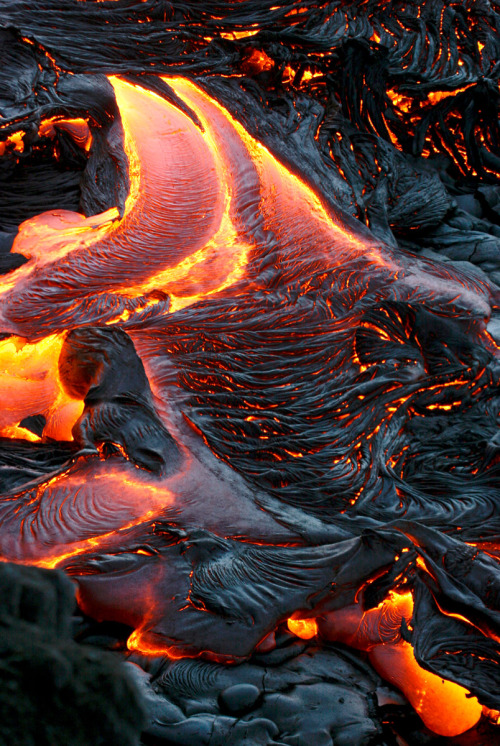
x=29, y=384
x=306, y=629
x=445, y=707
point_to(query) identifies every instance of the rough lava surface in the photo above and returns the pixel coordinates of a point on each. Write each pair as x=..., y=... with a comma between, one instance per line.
x=249, y=355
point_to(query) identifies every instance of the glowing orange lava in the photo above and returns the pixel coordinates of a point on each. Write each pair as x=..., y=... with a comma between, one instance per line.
x=77, y=128
x=29, y=384
x=445, y=707
x=306, y=629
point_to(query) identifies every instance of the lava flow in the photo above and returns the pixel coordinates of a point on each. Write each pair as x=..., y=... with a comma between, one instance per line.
x=237, y=389
x=446, y=708
x=243, y=209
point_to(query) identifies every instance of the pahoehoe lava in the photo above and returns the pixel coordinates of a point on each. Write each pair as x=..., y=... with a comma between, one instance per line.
x=249, y=381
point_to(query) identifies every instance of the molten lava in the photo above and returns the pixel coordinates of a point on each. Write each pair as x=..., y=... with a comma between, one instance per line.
x=445, y=707
x=30, y=384
x=242, y=207
x=222, y=252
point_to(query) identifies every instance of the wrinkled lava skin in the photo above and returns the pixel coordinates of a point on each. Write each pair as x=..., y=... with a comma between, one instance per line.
x=248, y=390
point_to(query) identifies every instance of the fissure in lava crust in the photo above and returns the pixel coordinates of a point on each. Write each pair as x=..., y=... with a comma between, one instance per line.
x=249, y=347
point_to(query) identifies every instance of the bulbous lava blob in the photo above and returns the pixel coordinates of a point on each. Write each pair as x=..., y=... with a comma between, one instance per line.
x=445, y=707
x=101, y=366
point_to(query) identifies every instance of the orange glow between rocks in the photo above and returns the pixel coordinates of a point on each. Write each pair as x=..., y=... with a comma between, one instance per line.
x=257, y=62
x=435, y=96
x=231, y=35
x=77, y=128
x=13, y=143
x=306, y=629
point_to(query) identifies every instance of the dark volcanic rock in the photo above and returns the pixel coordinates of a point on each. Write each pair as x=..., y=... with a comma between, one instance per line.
x=44, y=173
x=101, y=366
x=54, y=692
x=317, y=696
x=239, y=698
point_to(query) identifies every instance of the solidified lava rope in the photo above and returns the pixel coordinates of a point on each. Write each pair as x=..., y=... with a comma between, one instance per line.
x=212, y=217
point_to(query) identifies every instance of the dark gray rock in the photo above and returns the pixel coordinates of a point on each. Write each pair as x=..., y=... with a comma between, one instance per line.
x=316, y=696
x=54, y=692
x=101, y=366
x=239, y=699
